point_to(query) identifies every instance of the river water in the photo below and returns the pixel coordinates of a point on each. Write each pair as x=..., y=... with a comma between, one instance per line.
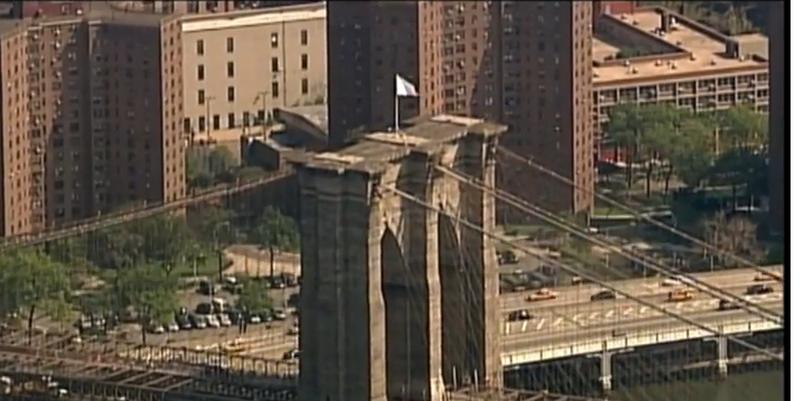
x=751, y=386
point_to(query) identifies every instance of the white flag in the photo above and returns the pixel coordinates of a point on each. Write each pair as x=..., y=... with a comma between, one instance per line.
x=404, y=88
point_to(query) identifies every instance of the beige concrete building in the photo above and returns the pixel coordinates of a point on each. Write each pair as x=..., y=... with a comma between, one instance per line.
x=652, y=56
x=92, y=107
x=238, y=66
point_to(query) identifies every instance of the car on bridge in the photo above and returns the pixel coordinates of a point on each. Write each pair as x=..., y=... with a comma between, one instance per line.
x=519, y=315
x=680, y=295
x=603, y=295
x=759, y=289
x=724, y=304
x=670, y=282
x=542, y=294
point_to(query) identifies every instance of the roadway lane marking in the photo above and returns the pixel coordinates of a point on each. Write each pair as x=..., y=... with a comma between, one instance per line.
x=609, y=314
x=628, y=311
x=508, y=327
x=524, y=325
x=594, y=315
x=541, y=323
x=557, y=322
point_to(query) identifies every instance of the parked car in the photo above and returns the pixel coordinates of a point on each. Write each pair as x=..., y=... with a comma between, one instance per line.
x=235, y=316
x=603, y=295
x=156, y=328
x=289, y=279
x=224, y=320
x=204, y=308
x=183, y=321
x=173, y=327
x=265, y=316
x=277, y=282
x=253, y=318
x=295, y=329
x=279, y=314
x=212, y=321
x=198, y=321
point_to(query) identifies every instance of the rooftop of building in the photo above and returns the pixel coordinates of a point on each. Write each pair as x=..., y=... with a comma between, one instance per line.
x=254, y=17
x=374, y=151
x=687, y=48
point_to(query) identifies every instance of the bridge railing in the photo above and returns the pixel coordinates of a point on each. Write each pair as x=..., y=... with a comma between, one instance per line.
x=631, y=339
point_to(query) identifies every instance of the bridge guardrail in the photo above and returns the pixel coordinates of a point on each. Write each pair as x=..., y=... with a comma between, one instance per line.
x=637, y=338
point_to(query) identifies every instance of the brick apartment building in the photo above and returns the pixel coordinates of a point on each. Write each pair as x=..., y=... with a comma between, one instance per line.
x=91, y=114
x=526, y=64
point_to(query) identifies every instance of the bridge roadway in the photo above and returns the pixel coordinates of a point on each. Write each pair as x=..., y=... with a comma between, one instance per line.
x=572, y=318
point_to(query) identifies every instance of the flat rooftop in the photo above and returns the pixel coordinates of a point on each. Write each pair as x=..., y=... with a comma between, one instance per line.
x=246, y=18
x=705, y=53
x=373, y=152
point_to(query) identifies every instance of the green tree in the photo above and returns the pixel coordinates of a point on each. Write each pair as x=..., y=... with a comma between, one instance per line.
x=254, y=296
x=149, y=292
x=625, y=128
x=274, y=231
x=36, y=283
x=742, y=128
x=221, y=162
x=687, y=151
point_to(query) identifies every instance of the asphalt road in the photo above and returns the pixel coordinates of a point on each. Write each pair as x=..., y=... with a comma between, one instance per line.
x=579, y=295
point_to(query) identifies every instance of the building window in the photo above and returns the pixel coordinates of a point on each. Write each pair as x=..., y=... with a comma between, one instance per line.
x=246, y=118
x=231, y=120
x=274, y=89
x=304, y=61
x=187, y=125
x=273, y=40
x=200, y=48
x=304, y=86
x=230, y=69
x=216, y=121
x=230, y=45
x=201, y=97
x=201, y=72
x=304, y=37
x=201, y=124
x=261, y=116
x=274, y=64
x=230, y=94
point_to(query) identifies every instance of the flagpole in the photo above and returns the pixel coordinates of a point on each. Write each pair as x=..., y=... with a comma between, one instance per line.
x=396, y=108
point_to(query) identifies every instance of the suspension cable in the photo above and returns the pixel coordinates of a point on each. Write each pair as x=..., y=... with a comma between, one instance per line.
x=84, y=226
x=584, y=275
x=640, y=215
x=569, y=227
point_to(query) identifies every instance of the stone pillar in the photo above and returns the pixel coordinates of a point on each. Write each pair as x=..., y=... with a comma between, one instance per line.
x=605, y=371
x=342, y=336
x=722, y=355
x=475, y=157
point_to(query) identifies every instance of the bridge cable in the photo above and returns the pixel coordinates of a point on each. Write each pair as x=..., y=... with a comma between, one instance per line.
x=639, y=214
x=645, y=260
x=586, y=276
x=91, y=224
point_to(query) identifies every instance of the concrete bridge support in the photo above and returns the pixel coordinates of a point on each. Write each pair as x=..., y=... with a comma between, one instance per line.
x=383, y=277
x=722, y=355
